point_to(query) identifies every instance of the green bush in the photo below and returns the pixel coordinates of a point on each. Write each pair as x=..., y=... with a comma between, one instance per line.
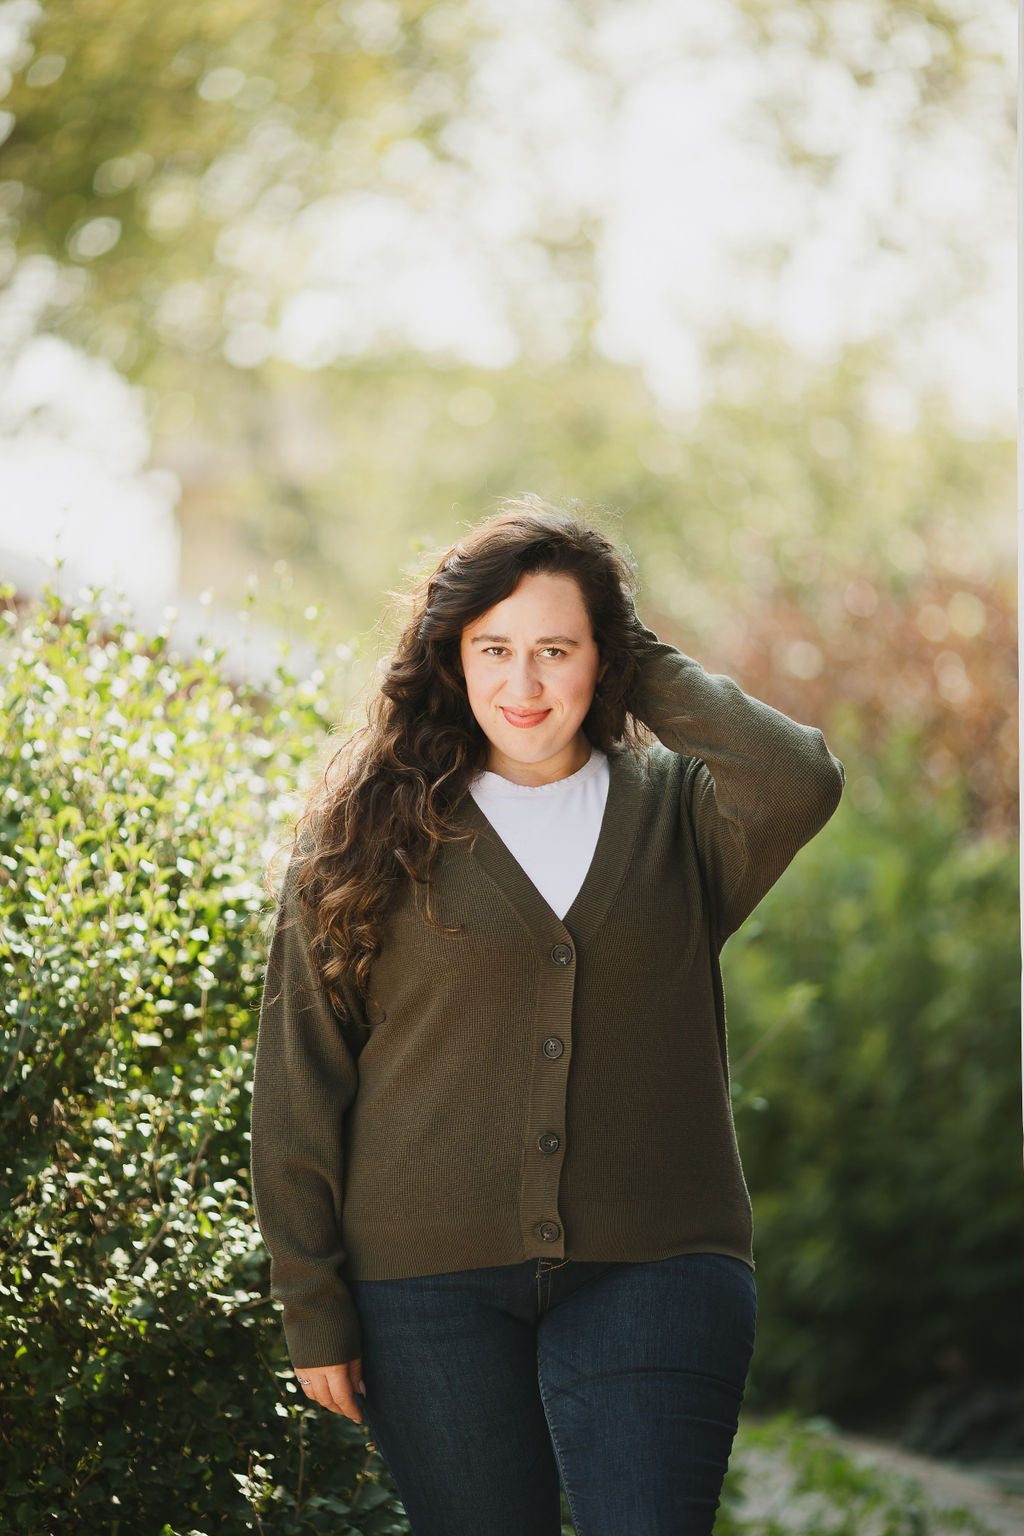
x=147, y=1384
x=873, y=1002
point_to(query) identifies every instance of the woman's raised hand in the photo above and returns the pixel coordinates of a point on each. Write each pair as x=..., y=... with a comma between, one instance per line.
x=334, y=1386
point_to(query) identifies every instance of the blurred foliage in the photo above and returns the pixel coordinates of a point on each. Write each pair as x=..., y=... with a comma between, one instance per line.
x=870, y=660
x=160, y=158
x=790, y=1477
x=936, y=49
x=141, y=137
x=789, y=476
x=873, y=1010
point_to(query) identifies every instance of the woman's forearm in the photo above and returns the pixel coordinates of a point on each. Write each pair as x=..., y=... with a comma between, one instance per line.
x=767, y=783
x=304, y=1079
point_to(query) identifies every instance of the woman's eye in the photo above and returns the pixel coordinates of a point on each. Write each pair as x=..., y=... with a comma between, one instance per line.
x=494, y=650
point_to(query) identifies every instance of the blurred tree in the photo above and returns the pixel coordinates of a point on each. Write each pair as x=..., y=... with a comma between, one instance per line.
x=161, y=157
x=935, y=656
x=789, y=474
x=140, y=137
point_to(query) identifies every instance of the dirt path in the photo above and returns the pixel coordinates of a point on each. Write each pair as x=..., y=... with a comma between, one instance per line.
x=948, y=1487
x=769, y=1478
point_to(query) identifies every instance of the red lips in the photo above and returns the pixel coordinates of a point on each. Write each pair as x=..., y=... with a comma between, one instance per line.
x=524, y=720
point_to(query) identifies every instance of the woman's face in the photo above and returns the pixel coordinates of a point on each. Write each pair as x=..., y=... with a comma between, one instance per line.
x=531, y=664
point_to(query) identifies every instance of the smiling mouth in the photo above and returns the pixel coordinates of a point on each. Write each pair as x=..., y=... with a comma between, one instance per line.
x=525, y=718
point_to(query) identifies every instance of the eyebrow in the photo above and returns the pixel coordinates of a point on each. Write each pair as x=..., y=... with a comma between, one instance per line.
x=541, y=640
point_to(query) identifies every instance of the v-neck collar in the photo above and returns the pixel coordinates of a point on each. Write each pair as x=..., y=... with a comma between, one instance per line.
x=607, y=867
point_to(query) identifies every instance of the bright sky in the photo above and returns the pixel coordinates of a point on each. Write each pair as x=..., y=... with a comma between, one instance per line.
x=659, y=150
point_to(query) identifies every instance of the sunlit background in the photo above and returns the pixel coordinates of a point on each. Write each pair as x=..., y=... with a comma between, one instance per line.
x=290, y=292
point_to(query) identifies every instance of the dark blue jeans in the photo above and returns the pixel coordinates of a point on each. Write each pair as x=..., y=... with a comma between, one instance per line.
x=485, y=1388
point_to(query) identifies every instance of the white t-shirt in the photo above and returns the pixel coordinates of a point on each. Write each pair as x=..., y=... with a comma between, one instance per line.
x=550, y=829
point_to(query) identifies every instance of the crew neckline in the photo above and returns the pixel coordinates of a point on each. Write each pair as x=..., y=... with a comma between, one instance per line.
x=496, y=783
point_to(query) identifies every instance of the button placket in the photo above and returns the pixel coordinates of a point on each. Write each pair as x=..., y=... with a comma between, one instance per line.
x=542, y=1157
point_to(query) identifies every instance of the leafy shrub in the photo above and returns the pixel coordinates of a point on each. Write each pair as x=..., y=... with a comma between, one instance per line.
x=146, y=1377
x=873, y=1003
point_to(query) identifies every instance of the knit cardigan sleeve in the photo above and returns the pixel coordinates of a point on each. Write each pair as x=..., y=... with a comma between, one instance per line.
x=757, y=785
x=305, y=1077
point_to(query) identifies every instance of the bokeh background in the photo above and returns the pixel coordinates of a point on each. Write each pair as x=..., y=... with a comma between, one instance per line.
x=289, y=295
x=291, y=292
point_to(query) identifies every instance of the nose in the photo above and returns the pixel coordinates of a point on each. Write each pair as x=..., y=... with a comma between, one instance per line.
x=524, y=682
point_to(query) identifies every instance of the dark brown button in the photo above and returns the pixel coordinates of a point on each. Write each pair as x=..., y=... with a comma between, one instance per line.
x=561, y=954
x=549, y=1142
x=553, y=1047
x=550, y=1231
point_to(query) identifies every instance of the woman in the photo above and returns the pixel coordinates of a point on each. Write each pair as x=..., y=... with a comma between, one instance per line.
x=493, y=1155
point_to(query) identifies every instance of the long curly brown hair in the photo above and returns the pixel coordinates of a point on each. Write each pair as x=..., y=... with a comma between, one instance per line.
x=383, y=805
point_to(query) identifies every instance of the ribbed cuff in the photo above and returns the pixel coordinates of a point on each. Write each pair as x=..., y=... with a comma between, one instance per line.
x=321, y=1339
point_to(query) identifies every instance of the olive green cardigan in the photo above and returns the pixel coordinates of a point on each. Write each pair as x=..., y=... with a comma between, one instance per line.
x=530, y=1088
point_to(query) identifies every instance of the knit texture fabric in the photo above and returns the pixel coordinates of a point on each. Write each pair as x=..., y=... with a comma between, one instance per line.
x=531, y=1087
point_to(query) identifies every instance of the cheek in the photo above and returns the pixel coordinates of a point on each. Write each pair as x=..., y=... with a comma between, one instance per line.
x=585, y=685
x=476, y=682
